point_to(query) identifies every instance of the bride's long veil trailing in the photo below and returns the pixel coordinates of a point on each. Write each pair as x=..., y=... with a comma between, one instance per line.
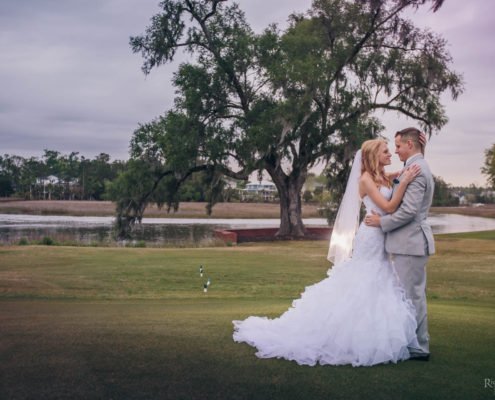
x=347, y=221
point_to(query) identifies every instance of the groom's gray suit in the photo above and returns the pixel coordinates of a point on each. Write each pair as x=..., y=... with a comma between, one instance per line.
x=410, y=239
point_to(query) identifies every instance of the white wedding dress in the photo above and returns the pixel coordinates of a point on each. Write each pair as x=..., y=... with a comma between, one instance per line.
x=358, y=315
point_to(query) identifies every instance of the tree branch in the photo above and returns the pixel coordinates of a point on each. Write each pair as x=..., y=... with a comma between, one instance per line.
x=399, y=94
x=367, y=35
x=213, y=10
x=214, y=50
x=403, y=111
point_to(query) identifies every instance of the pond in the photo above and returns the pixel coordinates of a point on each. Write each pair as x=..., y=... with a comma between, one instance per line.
x=178, y=231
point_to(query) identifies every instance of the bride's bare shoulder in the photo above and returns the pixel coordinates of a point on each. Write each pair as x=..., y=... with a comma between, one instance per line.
x=365, y=184
x=365, y=178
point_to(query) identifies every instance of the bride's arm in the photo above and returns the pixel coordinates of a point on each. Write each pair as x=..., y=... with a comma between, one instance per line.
x=368, y=187
x=392, y=175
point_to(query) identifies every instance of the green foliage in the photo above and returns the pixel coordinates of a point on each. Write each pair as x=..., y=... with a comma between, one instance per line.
x=307, y=196
x=443, y=194
x=95, y=174
x=489, y=167
x=47, y=241
x=140, y=243
x=22, y=241
x=474, y=194
x=6, y=188
x=71, y=177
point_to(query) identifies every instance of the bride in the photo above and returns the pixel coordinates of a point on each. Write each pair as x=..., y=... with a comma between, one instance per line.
x=359, y=314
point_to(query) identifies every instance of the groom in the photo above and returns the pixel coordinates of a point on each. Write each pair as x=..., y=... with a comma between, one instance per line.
x=409, y=237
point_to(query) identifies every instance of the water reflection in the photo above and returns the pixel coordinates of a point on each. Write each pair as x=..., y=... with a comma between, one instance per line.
x=99, y=229
x=164, y=231
x=454, y=223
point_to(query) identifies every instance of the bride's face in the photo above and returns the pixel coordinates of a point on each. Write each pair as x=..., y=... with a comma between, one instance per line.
x=384, y=155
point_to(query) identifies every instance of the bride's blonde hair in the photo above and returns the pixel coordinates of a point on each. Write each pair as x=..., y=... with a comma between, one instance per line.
x=370, y=152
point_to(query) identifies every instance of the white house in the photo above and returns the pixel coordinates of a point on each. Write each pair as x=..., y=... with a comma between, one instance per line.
x=55, y=180
x=49, y=180
x=266, y=189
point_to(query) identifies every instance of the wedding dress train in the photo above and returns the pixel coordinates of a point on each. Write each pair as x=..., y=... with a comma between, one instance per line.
x=358, y=315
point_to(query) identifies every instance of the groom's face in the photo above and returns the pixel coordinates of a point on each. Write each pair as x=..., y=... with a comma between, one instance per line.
x=401, y=148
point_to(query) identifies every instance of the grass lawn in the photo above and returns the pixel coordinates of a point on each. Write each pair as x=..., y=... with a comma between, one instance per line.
x=130, y=323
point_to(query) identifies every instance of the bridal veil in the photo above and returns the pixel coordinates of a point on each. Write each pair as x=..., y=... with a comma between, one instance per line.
x=347, y=221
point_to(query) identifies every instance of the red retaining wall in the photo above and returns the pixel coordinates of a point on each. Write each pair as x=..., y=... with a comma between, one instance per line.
x=268, y=234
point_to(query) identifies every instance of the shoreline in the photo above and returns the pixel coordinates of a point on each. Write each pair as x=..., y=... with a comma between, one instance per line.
x=85, y=208
x=191, y=209
x=485, y=211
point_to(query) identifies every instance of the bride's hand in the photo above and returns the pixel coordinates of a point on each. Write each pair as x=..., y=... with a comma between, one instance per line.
x=422, y=141
x=410, y=173
x=392, y=175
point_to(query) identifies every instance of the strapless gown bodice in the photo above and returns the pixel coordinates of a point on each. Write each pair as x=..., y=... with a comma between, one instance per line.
x=370, y=204
x=369, y=241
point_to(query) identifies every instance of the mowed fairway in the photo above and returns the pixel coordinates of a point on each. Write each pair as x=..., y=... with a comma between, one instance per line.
x=128, y=323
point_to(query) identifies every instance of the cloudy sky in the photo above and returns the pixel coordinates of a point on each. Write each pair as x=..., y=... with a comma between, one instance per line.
x=69, y=81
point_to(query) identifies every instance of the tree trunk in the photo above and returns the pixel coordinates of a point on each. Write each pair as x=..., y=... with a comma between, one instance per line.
x=289, y=190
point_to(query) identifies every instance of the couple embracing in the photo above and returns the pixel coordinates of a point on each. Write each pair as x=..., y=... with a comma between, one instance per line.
x=371, y=309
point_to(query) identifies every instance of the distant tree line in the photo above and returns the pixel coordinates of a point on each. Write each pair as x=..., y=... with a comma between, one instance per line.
x=448, y=195
x=57, y=176
x=443, y=196
x=474, y=194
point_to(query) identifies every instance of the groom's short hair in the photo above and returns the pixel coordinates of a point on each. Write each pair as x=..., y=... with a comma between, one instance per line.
x=411, y=134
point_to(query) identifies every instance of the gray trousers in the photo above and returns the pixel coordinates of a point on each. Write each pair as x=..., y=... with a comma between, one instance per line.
x=412, y=274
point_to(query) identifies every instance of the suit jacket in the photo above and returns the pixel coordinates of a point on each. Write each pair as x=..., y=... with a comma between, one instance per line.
x=407, y=231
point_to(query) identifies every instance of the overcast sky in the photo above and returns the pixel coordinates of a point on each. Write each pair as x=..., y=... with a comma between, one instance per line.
x=69, y=81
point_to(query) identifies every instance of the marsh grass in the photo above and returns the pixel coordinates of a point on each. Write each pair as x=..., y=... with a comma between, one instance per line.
x=190, y=209
x=485, y=210
x=134, y=323
x=186, y=210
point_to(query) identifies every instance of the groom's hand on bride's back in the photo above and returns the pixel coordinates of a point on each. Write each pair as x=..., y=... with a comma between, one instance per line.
x=372, y=219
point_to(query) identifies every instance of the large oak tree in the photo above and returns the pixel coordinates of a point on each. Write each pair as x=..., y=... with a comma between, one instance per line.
x=279, y=101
